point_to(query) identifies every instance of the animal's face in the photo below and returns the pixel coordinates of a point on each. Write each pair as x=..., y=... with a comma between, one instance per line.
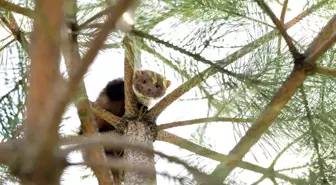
x=149, y=84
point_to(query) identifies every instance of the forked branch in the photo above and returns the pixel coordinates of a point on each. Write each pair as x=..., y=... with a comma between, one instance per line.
x=272, y=110
x=295, y=53
x=192, y=82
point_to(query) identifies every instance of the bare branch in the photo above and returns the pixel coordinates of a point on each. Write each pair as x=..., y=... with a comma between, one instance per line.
x=202, y=151
x=203, y=120
x=105, y=115
x=283, y=12
x=16, y=8
x=72, y=60
x=295, y=53
x=130, y=99
x=282, y=20
x=324, y=40
x=325, y=71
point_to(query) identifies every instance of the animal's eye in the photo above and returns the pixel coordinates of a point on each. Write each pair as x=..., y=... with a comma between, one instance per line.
x=157, y=86
x=144, y=81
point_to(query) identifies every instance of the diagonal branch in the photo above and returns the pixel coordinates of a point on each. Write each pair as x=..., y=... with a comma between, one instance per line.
x=203, y=120
x=282, y=20
x=105, y=115
x=16, y=8
x=268, y=115
x=116, y=12
x=283, y=12
x=324, y=40
x=12, y=25
x=202, y=151
x=192, y=82
x=295, y=53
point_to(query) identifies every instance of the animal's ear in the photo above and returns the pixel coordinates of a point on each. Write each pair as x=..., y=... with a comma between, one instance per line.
x=137, y=73
x=168, y=83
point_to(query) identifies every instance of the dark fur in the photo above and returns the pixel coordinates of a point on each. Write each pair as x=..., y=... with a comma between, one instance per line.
x=112, y=99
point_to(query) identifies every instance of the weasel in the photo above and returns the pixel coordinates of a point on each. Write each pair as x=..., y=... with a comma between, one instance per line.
x=148, y=86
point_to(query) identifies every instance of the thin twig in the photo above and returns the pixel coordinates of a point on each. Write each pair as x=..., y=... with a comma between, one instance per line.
x=99, y=14
x=203, y=120
x=295, y=53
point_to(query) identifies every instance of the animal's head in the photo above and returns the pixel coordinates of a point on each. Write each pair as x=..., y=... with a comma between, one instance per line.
x=149, y=84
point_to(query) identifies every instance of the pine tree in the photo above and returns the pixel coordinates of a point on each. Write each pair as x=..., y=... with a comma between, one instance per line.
x=267, y=84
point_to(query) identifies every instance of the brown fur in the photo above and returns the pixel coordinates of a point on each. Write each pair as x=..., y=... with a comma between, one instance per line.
x=147, y=85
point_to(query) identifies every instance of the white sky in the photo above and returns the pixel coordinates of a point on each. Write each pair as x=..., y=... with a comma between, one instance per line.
x=109, y=65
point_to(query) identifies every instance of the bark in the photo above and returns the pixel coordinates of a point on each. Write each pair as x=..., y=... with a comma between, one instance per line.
x=86, y=117
x=140, y=132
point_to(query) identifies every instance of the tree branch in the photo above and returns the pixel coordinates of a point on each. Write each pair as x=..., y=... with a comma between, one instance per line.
x=203, y=120
x=105, y=115
x=15, y=30
x=16, y=8
x=72, y=60
x=109, y=141
x=130, y=99
x=295, y=53
x=202, y=151
x=325, y=71
x=44, y=75
x=323, y=41
x=268, y=115
x=192, y=82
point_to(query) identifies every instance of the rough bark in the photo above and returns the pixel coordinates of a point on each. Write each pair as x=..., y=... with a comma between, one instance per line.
x=140, y=132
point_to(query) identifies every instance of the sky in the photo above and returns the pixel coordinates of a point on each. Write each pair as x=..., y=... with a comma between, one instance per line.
x=109, y=65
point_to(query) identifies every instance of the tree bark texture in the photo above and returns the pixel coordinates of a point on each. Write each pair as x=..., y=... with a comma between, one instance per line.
x=138, y=131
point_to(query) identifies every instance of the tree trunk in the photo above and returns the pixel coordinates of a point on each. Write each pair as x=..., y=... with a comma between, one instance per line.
x=138, y=131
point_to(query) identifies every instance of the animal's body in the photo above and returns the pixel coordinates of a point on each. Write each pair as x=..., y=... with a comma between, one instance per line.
x=148, y=87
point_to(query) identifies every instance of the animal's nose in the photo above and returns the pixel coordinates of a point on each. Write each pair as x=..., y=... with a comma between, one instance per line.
x=149, y=90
